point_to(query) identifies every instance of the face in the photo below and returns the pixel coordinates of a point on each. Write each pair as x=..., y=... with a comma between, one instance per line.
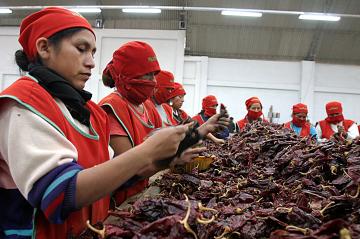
x=334, y=115
x=255, y=107
x=300, y=116
x=73, y=58
x=213, y=106
x=177, y=101
x=149, y=76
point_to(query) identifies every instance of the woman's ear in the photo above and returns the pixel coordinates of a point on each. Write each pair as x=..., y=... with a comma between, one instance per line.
x=42, y=48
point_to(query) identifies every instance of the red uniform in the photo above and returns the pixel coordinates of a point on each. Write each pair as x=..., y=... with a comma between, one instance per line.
x=136, y=129
x=305, y=130
x=243, y=122
x=199, y=118
x=91, y=151
x=327, y=131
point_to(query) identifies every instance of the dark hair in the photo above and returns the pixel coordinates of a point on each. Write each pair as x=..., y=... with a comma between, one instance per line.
x=21, y=58
x=108, y=81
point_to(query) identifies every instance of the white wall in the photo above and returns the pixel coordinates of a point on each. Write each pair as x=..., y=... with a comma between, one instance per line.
x=276, y=83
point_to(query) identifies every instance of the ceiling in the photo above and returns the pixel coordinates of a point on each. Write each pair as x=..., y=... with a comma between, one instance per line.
x=208, y=33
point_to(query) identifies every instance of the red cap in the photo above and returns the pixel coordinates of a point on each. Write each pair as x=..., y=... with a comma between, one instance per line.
x=131, y=60
x=165, y=79
x=334, y=107
x=300, y=108
x=251, y=101
x=46, y=23
x=209, y=101
x=178, y=90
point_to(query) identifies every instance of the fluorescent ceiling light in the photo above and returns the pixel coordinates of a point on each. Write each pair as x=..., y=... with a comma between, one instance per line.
x=86, y=10
x=241, y=13
x=319, y=17
x=5, y=10
x=141, y=10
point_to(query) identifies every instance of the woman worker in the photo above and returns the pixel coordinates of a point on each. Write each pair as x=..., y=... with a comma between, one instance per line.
x=55, y=172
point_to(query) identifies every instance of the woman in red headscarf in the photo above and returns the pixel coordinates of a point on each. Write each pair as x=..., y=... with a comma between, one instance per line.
x=299, y=123
x=132, y=116
x=336, y=124
x=131, y=113
x=176, y=100
x=209, y=105
x=254, y=108
x=61, y=176
x=163, y=89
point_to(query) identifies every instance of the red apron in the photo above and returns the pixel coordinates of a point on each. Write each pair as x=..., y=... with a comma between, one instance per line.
x=91, y=151
x=136, y=129
x=327, y=131
x=305, y=130
x=198, y=118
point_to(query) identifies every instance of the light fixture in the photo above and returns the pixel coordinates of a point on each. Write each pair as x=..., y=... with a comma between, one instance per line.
x=141, y=10
x=319, y=17
x=5, y=10
x=86, y=9
x=241, y=13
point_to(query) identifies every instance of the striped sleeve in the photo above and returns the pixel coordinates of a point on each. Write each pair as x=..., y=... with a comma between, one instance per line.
x=41, y=160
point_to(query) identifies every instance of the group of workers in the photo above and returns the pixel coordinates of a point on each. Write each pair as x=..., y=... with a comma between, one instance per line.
x=333, y=125
x=62, y=155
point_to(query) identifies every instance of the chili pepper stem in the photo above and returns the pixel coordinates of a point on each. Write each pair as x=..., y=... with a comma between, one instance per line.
x=305, y=231
x=186, y=218
x=326, y=207
x=101, y=232
x=226, y=231
x=357, y=192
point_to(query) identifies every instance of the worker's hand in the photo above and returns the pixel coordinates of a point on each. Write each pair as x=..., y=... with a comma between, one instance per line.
x=164, y=143
x=219, y=141
x=216, y=123
x=187, y=156
x=341, y=131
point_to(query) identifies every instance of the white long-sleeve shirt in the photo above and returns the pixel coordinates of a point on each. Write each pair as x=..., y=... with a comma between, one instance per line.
x=352, y=132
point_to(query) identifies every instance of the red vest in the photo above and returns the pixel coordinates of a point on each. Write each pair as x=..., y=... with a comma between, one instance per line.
x=359, y=128
x=327, y=131
x=305, y=130
x=135, y=129
x=169, y=115
x=91, y=151
x=183, y=117
x=243, y=122
x=199, y=119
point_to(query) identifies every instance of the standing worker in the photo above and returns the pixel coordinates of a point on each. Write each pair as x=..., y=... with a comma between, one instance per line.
x=336, y=124
x=254, y=108
x=209, y=105
x=176, y=100
x=163, y=89
x=299, y=123
x=61, y=176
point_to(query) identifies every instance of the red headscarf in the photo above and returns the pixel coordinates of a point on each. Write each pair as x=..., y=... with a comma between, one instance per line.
x=164, y=80
x=208, y=104
x=252, y=114
x=251, y=101
x=133, y=59
x=178, y=90
x=299, y=108
x=334, y=107
x=46, y=23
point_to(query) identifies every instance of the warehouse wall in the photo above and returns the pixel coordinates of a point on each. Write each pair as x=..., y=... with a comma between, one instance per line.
x=278, y=84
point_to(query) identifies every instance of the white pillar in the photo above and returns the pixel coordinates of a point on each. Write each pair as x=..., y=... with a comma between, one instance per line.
x=307, y=86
